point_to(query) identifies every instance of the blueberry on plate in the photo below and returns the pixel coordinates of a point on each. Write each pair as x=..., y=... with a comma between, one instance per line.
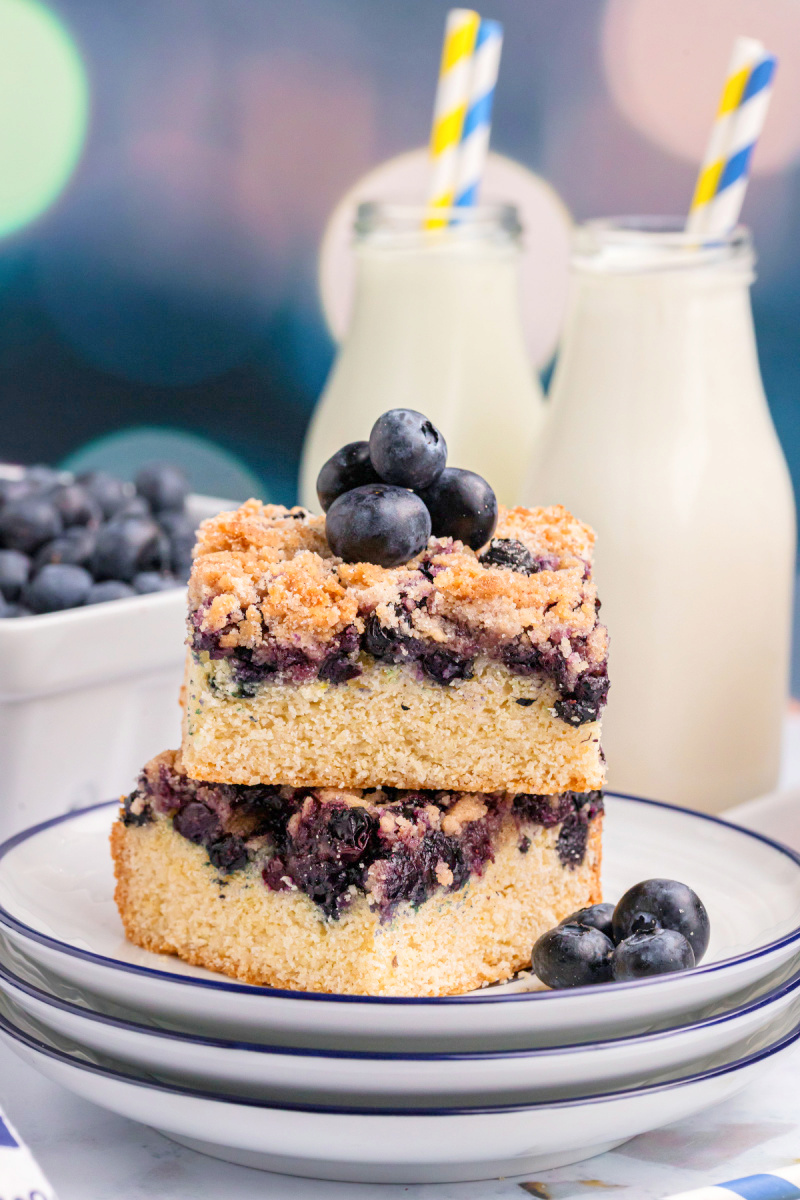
x=5, y=607
x=109, y=492
x=76, y=505
x=147, y=582
x=28, y=522
x=57, y=586
x=348, y=468
x=379, y=524
x=109, y=589
x=129, y=546
x=674, y=906
x=407, y=449
x=651, y=950
x=15, y=568
x=462, y=506
x=573, y=956
x=163, y=485
x=75, y=545
x=596, y=916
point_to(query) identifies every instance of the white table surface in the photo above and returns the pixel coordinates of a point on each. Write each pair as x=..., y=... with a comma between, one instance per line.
x=90, y=1154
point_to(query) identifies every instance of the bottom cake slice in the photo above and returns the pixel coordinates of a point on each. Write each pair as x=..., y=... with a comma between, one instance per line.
x=377, y=892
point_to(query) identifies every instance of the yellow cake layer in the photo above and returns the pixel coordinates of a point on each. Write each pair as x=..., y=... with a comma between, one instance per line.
x=388, y=728
x=170, y=900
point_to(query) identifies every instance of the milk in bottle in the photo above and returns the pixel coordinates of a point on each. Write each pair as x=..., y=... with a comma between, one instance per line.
x=660, y=438
x=436, y=327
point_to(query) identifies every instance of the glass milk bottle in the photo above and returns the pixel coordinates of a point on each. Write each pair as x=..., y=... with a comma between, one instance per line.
x=436, y=326
x=660, y=437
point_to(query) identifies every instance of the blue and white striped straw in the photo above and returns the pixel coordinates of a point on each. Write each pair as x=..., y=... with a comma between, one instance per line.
x=727, y=203
x=474, y=148
x=780, y=1184
x=20, y=1175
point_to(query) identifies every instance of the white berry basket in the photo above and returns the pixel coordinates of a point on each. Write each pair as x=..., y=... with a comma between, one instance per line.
x=87, y=696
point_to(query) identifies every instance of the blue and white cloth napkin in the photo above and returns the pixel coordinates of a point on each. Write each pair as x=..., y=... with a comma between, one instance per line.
x=781, y=1184
x=20, y=1176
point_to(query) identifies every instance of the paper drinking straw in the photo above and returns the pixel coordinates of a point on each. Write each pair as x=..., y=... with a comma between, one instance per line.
x=727, y=204
x=742, y=107
x=474, y=148
x=781, y=1184
x=452, y=96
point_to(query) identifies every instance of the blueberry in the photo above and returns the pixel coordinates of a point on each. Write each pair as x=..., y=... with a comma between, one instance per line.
x=5, y=607
x=509, y=555
x=76, y=505
x=349, y=468
x=573, y=956
x=26, y=523
x=228, y=854
x=135, y=506
x=462, y=506
x=379, y=524
x=15, y=569
x=41, y=478
x=163, y=485
x=181, y=530
x=129, y=546
x=55, y=587
x=651, y=951
x=17, y=610
x=674, y=906
x=407, y=449
x=596, y=916
x=110, y=493
x=14, y=489
x=109, y=589
x=197, y=822
x=152, y=581
x=76, y=546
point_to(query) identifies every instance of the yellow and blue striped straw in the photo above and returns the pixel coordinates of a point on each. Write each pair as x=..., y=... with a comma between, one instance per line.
x=452, y=96
x=724, y=175
x=474, y=148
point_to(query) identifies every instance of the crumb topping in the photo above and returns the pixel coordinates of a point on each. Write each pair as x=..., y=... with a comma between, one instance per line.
x=265, y=573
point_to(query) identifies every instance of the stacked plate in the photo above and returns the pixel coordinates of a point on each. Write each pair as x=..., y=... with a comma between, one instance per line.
x=508, y=1080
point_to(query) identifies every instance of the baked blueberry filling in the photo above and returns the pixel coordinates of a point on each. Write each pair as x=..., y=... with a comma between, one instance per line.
x=580, y=699
x=394, y=846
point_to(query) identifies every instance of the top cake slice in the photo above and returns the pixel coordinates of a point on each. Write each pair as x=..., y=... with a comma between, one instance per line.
x=455, y=670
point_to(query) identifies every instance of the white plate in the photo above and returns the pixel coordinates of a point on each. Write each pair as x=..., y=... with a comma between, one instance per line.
x=407, y=1080
x=391, y=1146
x=56, y=905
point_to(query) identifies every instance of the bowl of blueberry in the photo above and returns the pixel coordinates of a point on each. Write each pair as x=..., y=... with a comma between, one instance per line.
x=72, y=541
x=93, y=574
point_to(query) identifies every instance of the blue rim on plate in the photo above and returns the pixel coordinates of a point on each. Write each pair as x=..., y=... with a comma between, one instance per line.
x=19, y=1035
x=792, y=984
x=487, y=997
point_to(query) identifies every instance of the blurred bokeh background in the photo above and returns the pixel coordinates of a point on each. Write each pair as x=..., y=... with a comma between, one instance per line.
x=170, y=166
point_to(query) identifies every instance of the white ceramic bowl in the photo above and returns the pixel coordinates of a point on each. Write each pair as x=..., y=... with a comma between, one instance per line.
x=392, y=1146
x=87, y=696
x=418, y=1080
x=56, y=906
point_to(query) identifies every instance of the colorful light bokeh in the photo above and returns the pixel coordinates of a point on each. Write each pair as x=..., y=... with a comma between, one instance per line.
x=44, y=106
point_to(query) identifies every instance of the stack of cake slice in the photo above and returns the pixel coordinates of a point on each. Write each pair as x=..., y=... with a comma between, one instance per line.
x=389, y=778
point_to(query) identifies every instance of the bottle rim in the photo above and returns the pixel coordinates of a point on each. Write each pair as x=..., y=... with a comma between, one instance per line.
x=630, y=245
x=406, y=220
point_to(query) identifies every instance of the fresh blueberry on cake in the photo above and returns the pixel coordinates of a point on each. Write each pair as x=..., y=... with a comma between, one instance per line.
x=390, y=766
